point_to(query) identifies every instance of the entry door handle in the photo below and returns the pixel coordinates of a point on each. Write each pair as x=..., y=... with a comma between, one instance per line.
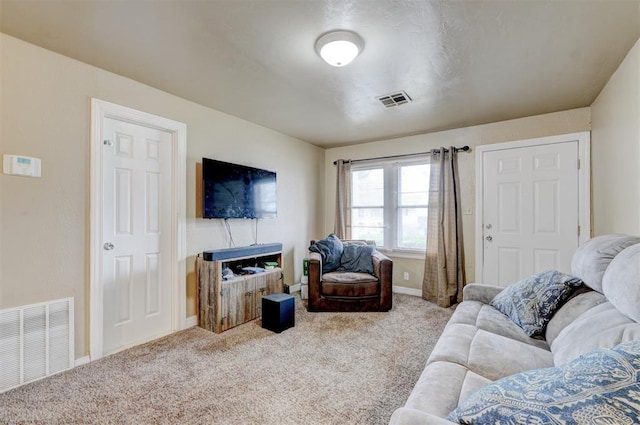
x=108, y=246
x=489, y=238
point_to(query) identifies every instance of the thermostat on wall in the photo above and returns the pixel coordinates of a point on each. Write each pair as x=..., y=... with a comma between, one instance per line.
x=21, y=165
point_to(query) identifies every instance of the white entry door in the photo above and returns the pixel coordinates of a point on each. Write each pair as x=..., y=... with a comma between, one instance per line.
x=136, y=273
x=530, y=200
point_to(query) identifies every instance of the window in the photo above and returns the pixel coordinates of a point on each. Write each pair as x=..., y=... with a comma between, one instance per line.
x=412, y=206
x=367, y=204
x=389, y=204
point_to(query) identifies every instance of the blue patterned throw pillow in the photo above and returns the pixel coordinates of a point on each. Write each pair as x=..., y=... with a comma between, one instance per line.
x=601, y=387
x=531, y=302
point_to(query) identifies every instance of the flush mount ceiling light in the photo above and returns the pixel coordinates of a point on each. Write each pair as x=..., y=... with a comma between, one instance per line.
x=339, y=48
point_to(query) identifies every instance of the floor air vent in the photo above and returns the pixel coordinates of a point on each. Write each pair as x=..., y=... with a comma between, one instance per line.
x=36, y=341
x=394, y=99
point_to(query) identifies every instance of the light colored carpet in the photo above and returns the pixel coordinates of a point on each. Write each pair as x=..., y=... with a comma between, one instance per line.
x=331, y=368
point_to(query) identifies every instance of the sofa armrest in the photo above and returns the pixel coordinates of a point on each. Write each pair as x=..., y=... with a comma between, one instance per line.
x=408, y=416
x=314, y=277
x=383, y=270
x=481, y=292
x=315, y=256
x=380, y=263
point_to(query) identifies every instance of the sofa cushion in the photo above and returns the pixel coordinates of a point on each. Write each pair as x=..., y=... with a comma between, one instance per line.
x=531, y=302
x=600, y=326
x=345, y=284
x=515, y=356
x=348, y=277
x=570, y=311
x=441, y=386
x=330, y=249
x=592, y=258
x=603, y=384
x=621, y=282
x=475, y=349
x=487, y=318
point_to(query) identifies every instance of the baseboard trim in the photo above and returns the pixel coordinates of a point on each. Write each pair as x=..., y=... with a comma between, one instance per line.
x=408, y=291
x=296, y=287
x=191, y=321
x=82, y=360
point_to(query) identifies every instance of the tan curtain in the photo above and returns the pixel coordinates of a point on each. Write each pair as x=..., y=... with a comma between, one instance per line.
x=444, y=263
x=342, y=227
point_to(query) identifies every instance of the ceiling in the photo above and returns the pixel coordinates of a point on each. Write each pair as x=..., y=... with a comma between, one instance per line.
x=462, y=62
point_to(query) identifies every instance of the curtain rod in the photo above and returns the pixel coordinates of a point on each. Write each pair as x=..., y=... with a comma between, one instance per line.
x=462, y=149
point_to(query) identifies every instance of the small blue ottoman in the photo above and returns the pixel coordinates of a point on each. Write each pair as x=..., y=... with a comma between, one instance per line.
x=278, y=312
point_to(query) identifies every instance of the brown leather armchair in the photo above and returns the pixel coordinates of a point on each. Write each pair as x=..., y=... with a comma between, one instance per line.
x=348, y=291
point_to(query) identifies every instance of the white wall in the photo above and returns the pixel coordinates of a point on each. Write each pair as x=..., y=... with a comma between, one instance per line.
x=615, y=141
x=44, y=224
x=537, y=126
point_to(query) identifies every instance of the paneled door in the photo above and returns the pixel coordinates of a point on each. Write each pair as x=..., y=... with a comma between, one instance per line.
x=530, y=210
x=136, y=234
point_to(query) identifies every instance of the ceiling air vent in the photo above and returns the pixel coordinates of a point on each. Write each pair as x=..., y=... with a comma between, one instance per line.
x=394, y=99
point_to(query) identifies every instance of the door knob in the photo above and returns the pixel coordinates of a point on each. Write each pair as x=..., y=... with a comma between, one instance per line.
x=108, y=246
x=489, y=226
x=489, y=238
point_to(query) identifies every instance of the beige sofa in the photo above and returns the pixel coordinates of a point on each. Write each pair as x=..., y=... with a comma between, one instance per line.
x=480, y=345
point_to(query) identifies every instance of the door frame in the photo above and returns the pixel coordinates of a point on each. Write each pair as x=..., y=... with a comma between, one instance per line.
x=100, y=110
x=584, y=185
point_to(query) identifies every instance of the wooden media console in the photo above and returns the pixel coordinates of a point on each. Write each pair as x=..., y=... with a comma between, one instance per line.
x=225, y=303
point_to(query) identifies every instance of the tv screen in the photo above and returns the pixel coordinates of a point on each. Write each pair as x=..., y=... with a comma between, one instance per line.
x=237, y=191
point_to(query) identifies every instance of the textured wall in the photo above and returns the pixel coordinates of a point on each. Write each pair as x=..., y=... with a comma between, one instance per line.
x=615, y=141
x=44, y=222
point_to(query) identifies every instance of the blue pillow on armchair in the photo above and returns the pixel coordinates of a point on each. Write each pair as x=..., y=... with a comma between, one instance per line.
x=357, y=259
x=330, y=249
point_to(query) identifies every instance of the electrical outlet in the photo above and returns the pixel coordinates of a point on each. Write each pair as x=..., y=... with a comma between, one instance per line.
x=406, y=275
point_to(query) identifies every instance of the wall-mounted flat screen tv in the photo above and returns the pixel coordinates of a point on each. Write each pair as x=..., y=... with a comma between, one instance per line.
x=237, y=191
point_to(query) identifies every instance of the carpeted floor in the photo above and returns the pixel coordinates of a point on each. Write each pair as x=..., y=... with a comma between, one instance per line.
x=332, y=368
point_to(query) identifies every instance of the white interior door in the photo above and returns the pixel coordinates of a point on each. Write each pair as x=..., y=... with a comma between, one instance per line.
x=136, y=277
x=530, y=207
